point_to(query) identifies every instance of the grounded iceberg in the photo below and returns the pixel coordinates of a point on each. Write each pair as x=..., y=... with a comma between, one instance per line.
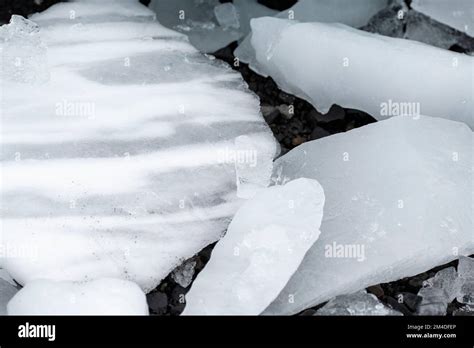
x=329, y=64
x=120, y=159
x=399, y=199
x=264, y=244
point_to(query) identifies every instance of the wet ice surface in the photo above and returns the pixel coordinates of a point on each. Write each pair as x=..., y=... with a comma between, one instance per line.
x=122, y=163
x=264, y=244
x=98, y=297
x=387, y=216
x=359, y=303
x=325, y=64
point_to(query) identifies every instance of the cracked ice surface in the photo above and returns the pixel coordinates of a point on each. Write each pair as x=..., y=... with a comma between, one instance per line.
x=399, y=200
x=122, y=163
x=264, y=244
x=328, y=64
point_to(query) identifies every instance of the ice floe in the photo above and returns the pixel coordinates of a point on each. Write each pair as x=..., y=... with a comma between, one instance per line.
x=264, y=244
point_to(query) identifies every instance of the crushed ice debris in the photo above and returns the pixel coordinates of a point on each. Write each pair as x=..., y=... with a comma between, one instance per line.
x=98, y=297
x=183, y=274
x=264, y=244
x=324, y=64
x=398, y=195
x=359, y=303
x=114, y=167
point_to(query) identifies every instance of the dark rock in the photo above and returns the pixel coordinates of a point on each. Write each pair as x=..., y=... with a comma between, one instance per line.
x=286, y=98
x=298, y=141
x=411, y=300
x=308, y=312
x=158, y=302
x=396, y=305
x=270, y=113
x=376, y=290
x=279, y=5
x=319, y=133
x=178, y=300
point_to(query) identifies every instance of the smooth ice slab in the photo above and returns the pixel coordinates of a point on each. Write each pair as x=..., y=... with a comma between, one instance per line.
x=399, y=199
x=359, y=303
x=265, y=243
x=98, y=297
x=458, y=14
x=330, y=64
x=122, y=164
x=349, y=12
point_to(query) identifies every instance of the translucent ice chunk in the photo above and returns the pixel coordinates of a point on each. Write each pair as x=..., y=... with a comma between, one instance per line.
x=349, y=12
x=263, y=246
x=466, y=294
x=196, y=19
x=438, y=292
x=227, y=16
x=359, y=303
x=466, y=267
x=98, y=297
x=183, y=275
x=398, y=203
x=324, y=64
